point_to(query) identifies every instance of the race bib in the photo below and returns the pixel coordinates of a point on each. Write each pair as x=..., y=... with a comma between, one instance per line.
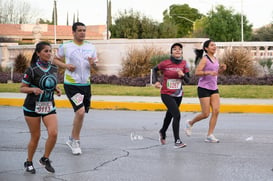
x=43, y=107
x=174, y=83
x=77, y=99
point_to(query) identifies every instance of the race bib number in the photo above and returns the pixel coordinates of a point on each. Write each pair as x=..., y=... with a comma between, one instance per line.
x=174, y=83
x=43, y=107
x=77, y=99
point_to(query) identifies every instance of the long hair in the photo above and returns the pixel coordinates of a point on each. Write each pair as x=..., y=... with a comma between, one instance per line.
x=39, y=47
x=199, y=52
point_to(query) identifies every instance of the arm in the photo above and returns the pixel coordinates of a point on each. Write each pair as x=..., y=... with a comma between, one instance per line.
x=58, y=90
x=222, y=68
x=199, y=70
x=59, y=62
x=186, y=77
x=24, y=88
x=155, y=77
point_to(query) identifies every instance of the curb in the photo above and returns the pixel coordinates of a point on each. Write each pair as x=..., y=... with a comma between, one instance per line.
x=145, y=106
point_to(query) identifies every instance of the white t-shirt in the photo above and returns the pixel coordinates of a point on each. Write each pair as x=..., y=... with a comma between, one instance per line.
x=78, y=56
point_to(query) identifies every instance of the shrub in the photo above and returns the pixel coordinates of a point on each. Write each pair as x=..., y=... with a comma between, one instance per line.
x=266, y=64
x=156, y=59
x=137, y=62
x=20, y=63
x=239, y=62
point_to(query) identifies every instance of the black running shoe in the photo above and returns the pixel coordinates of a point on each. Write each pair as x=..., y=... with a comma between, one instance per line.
x=29, y=167
x=47, y=163
x=179, y=144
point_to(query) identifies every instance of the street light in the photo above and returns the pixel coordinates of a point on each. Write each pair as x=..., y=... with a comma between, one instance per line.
x=186, y=19
x=55, y=16
x=107, y=18
x=242, y=23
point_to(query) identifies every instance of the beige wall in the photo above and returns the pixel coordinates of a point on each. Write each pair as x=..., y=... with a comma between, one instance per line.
x=111, y=52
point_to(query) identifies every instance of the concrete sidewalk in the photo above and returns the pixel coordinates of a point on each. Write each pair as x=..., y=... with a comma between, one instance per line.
x=230, y=105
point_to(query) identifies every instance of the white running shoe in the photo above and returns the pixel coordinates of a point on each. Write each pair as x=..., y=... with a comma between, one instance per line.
x=188, y=128
x=74, y=145
x=211, y=139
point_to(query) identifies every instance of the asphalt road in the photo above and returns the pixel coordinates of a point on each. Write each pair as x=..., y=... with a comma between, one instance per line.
x=123, y=146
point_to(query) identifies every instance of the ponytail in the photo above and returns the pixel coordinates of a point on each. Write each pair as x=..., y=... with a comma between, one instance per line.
x=39, y=47
x=198, y=55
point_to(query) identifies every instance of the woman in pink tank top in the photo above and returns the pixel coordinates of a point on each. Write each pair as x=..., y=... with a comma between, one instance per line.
x=208, y=70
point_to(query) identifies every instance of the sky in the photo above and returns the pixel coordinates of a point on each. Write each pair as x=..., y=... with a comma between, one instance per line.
x=93, y=12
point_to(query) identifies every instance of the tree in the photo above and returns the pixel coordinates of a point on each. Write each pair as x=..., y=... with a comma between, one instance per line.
x=223, y=25
x=183, y=17
x=167, y=29
x=55, y=14
x=67, y=21
x=199, y=25
x=133, y=25
x=16, y=12
x=264, y=33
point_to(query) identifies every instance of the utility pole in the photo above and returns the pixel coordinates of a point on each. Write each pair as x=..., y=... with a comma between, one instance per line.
x=242, y=23
x=107, y=17
x=55, y=22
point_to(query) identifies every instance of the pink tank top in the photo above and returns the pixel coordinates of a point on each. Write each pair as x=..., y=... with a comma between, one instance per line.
x=209, y=81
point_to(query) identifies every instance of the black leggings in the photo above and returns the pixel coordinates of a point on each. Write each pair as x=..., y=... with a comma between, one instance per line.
x=172, y=104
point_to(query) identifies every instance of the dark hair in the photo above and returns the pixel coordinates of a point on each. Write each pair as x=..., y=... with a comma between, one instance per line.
x=206, y=45
x=75, y=25
x=176, y=44
x=199, y=52
x=39, y=47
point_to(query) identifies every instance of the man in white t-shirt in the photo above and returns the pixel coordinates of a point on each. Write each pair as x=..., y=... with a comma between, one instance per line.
x=77, y=56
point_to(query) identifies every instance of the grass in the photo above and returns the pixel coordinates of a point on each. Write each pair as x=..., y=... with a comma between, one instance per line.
x=226, y=91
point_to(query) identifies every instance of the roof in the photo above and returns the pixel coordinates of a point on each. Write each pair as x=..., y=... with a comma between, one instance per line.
x=63, y=32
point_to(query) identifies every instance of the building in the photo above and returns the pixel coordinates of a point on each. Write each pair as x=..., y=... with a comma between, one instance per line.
x=29, y=33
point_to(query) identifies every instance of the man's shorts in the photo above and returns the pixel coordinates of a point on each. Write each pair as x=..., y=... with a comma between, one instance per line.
x=202, y=92
x=78, y=96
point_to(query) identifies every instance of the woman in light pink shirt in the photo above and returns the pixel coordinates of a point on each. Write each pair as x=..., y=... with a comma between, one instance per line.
x=208, y=70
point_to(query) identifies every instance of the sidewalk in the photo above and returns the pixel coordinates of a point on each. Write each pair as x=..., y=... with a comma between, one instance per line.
x=230, y=105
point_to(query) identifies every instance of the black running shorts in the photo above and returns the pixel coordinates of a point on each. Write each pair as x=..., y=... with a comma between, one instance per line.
x=202, y=92
x=78, y=96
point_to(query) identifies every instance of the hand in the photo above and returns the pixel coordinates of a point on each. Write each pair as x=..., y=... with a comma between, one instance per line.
x=180, y=73
x=223, y=67
x=58, y=91
x=37, y=91
x=92, y=61
x=70, y=67
x=158, y=85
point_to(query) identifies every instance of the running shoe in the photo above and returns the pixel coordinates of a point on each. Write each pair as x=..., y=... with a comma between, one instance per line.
x=211, y=139
x=179, y=144
x=74, y=145
x=29, y=167
x=188, y=128
x=162, y=138
x=47, y=164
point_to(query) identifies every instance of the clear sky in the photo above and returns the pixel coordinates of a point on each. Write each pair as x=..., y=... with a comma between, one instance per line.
x=93, y=12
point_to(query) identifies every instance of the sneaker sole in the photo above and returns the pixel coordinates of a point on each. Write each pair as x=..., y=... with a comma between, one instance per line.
x=209, y=141
x=78, y=153
x=29, y=172
x=183, y=146
x=45, y=167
